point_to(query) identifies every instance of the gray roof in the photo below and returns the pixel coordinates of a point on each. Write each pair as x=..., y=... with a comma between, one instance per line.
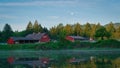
x=79, y=37
x=21, y=38
x=34, y=36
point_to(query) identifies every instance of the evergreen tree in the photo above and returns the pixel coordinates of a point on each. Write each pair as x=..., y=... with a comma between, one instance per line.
x=59, y=28
x=41, y=29
x=62, y=36
x=117, y=33
x=29, y=29
x=53, y=32
x=45, y=30
x=7, y=32
x=36, y=27
x=87, y=30
x=69, y=29
x=29, y=26
x=7, y=28
x=93, y=30
x=77, y=29
x=98, y=26
x=110, y=28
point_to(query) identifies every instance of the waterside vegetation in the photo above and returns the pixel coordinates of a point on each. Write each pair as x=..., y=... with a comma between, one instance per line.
x=102, y=44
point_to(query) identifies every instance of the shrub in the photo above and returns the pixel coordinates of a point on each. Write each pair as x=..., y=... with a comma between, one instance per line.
x=108, y=43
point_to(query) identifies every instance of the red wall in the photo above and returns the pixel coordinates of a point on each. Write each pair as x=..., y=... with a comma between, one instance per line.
x=45, y=38
x=10, y=41
x=70, y=38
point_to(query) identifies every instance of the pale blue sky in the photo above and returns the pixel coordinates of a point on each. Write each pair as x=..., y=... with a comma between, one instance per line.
x=18, y=13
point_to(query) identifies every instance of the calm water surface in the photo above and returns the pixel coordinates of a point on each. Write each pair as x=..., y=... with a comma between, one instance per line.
x=60, y=59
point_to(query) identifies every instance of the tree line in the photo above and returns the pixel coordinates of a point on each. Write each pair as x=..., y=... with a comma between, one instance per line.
x=95, y=31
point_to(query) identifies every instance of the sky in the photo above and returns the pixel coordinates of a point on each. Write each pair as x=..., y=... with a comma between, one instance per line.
x=48, y=13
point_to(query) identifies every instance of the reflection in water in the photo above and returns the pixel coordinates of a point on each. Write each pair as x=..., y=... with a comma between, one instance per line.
x=62, y=62
x=102, y=60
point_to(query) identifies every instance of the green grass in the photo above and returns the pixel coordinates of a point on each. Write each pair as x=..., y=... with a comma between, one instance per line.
x=103, y=44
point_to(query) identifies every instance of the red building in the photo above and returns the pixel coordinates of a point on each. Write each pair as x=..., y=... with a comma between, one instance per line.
x=70, y=38
x=30, y=38
x=76, y=38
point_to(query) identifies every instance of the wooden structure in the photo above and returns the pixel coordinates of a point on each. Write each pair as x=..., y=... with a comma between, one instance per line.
x=76, y=38
x=30, y=38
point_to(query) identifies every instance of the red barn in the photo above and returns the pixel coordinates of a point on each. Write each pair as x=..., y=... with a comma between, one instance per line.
x=30, y=38
x=76, y=38
x=45, y=38
x=70, y=38
x=10, y=41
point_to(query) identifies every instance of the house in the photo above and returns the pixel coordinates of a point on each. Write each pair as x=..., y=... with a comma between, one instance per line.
x=76, y=38
x=30, y=38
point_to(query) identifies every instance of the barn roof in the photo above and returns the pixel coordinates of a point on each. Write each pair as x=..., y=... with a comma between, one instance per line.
x=21, y=38
x=79, y=37
x=34, y=36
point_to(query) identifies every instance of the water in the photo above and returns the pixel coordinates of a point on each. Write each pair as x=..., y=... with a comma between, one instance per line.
x=60, y=59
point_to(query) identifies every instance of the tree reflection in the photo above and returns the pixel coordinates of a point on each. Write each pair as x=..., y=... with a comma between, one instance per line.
x=61, y=61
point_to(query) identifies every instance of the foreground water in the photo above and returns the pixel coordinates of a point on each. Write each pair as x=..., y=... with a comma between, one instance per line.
x=60, y=59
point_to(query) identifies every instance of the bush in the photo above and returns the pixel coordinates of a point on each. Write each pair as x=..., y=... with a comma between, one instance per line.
x=108, y=43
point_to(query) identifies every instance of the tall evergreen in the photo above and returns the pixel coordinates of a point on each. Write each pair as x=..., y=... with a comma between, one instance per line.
x=29, y=26
x=7, y=32
x=93, y=30
x=59, y=28
x=116, y=34
x=110, y=28
x=45, y=30
x=53, y=32
x=78, y=29
x=41, y=29
x=87, y=30
x=98, y=26
x=36, y=26
x=69, y=29
x=7, y=28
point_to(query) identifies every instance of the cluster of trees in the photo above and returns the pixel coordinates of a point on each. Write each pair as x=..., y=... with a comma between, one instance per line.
x=36, y=27
x=95, y=31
